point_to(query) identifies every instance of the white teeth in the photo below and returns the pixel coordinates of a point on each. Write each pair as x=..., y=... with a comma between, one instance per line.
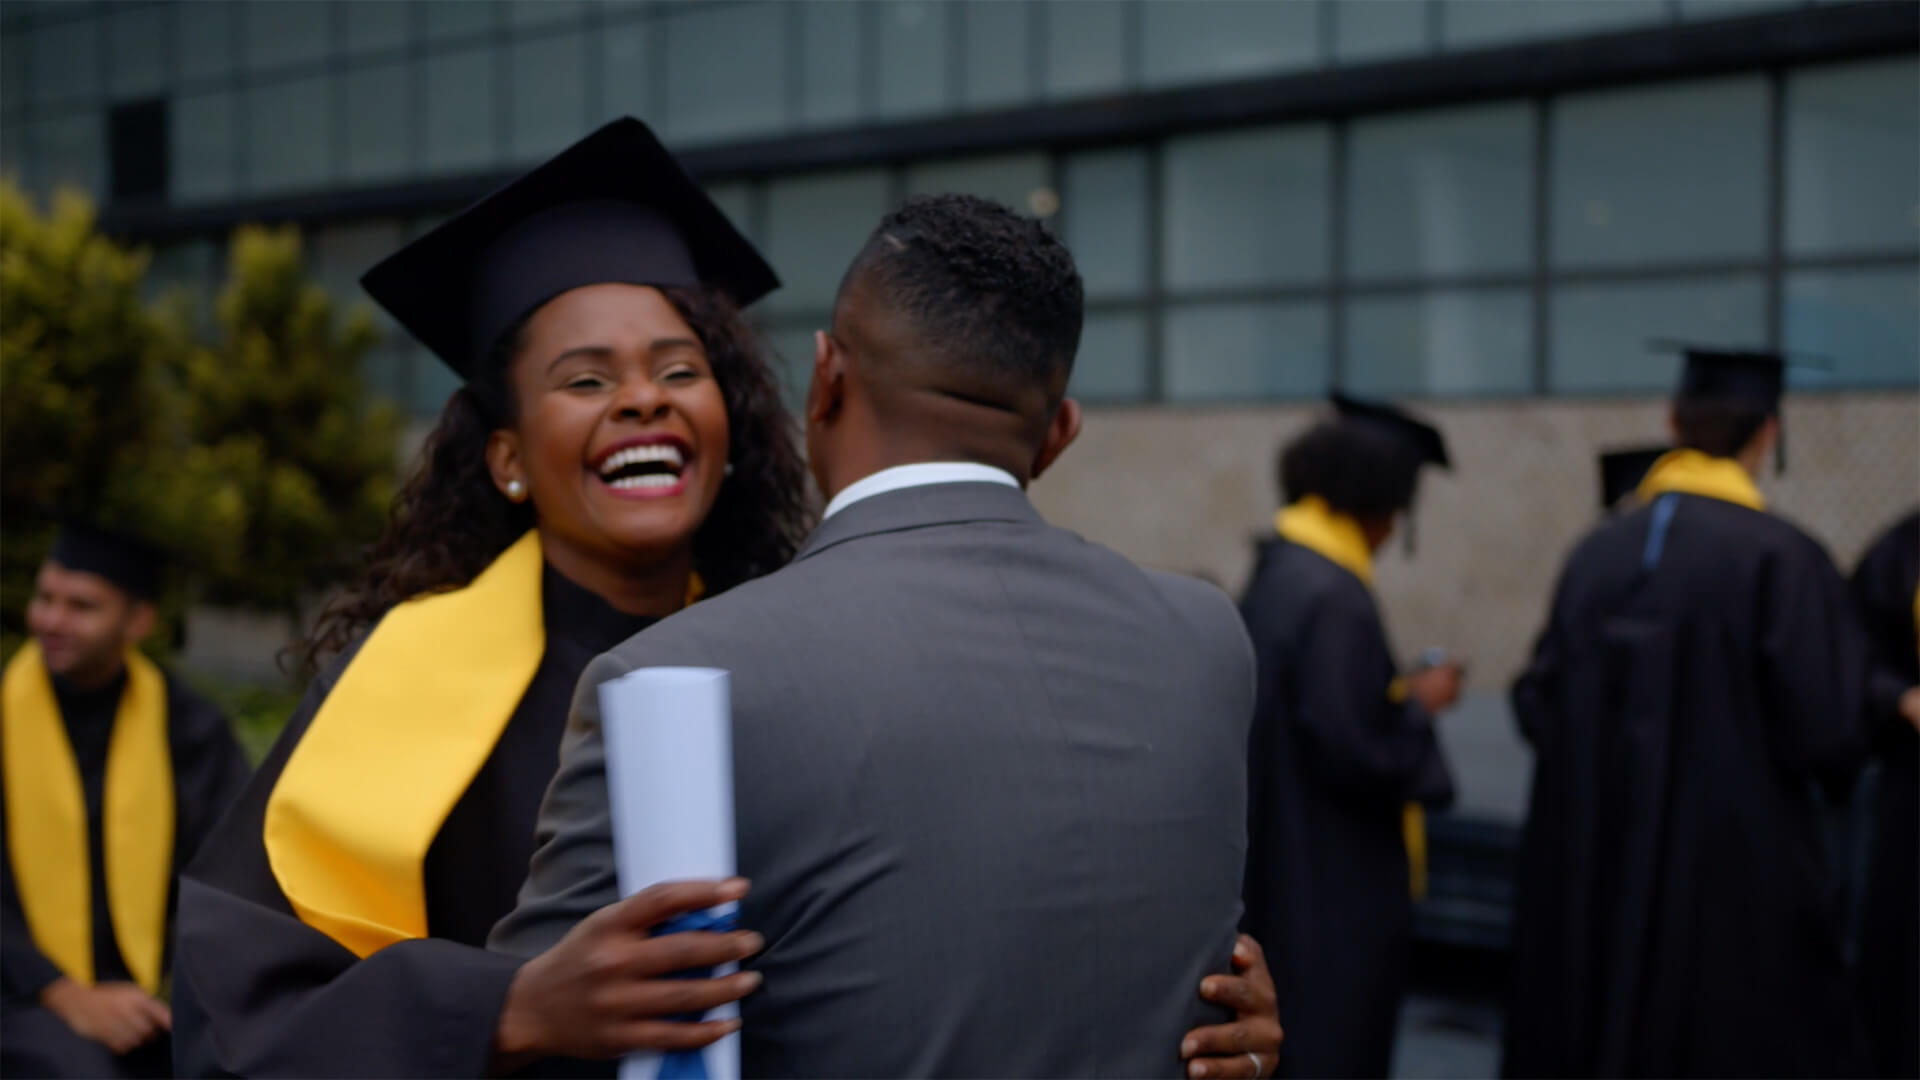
x=634, y=455
x=643, y=483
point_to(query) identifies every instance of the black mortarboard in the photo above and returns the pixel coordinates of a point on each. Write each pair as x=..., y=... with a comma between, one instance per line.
x=128, y=562
x=613, y=207
x=1622, y=470
x=1422, y=437
x=1750, y=376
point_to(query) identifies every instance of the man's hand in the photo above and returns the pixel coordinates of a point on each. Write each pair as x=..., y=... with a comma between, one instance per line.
x=1250, y=1046
x=1436, y=688
x=604, y=989
x=1910, y=706
x=118, y=1015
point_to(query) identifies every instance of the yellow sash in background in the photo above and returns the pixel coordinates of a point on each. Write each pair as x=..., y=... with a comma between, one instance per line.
x=47, y=828
x=1336, y=537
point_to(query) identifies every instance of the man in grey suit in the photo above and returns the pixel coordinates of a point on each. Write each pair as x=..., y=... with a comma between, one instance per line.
x=990, y=777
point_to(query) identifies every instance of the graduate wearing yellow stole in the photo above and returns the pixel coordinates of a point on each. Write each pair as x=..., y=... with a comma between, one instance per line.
x=110, y=774
x=1343, y=757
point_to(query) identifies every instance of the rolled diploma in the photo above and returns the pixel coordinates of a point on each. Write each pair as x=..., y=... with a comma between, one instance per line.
x=669, y=741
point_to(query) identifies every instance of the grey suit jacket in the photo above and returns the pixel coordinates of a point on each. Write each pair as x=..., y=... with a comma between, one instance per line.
x=990, y=785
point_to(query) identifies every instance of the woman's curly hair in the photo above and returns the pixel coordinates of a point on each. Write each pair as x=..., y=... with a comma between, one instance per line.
x=449, y=521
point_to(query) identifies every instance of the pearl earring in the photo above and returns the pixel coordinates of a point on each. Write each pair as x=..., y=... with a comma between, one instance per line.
x=516, y=490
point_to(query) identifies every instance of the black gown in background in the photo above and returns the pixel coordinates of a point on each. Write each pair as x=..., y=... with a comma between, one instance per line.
x=1332, y=763
x=1675, y=908
x=1884, y=588
x=209, y=770
x=260, y=993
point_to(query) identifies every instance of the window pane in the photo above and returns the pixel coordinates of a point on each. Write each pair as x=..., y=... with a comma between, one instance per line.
x=1862, y=320
x=815, y=225
x=16, y=160
x=1086, y=47
x=1379, y=28
x=287, y=32
x=1600, y=332
x=139, y=40
x=289, y=135
x=66, y=62
x=379, y=111
x=1714, y=9
x=460, y=110
x=790, y=350
x=830, y=70
x=1112, y=364
x=543, y=12
x=200, y=161
x=1853, y=158
x=549, y=93
x=16, y=84
x=1469, y=24
x=1224, y=351
x=913, y=57
x=381, y=24
x=459, y=18
x=430, y=382
x=337, y=257
x=626, y=69
x=726, y=73
x=1453, y=342
x=1105, y=206
x=1249, y=208
x=1202, y=40
x=1649, y=175
x=1442, y=192
x=206, y=37
x=999, y=59
x=184, y=272
x=70, y=152
x=1013, y=180
x=734, y=201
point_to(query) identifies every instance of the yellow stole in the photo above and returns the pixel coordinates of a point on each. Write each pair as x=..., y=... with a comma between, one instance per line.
x=1691, y=472
x=1326, y=532
x=47, y=836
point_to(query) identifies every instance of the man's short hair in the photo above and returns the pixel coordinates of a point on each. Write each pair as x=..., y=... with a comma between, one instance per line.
x=988, y=292
x=1359, y=471
x=1720, y=427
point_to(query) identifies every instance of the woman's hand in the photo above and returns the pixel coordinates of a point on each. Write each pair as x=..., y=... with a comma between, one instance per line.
x=1250, y=1046
x=604, y=989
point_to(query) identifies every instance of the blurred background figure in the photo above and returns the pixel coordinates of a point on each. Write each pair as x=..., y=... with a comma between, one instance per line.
x=1700, y=671
x=111, y=772
x=1886, y=588
x=1620, y=474
x=1343, y=752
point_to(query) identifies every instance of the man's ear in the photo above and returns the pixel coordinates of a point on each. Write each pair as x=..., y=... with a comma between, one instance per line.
x=827, y=392
x=503, y=462
x=1061, y=431
x=140, y=623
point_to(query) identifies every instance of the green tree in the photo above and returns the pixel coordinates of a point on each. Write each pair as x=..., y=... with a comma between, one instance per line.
x=282, y=427
x=90, y=407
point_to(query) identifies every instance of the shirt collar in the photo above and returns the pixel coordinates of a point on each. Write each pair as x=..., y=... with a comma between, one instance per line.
x=917, y=475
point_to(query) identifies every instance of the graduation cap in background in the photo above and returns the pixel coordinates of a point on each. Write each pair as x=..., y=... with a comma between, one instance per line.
x=131, y=564
x=1749, y=376
x=613, y=207
x=1425, y=440
x=1622, y=470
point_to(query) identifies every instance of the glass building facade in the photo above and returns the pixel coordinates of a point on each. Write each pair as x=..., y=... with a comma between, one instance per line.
x=1422, y=198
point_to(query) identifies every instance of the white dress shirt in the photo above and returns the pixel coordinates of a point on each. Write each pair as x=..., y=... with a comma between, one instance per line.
x=917, y=475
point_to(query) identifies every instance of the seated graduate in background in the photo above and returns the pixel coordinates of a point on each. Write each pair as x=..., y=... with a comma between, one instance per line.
x=1701, y=669
x=988, y=783
x=111, y=772
x=1620, y=474
x=1886, y=590
x=1343, y=754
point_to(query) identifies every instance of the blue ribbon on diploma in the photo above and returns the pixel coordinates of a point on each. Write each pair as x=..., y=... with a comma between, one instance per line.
x=692, y=1064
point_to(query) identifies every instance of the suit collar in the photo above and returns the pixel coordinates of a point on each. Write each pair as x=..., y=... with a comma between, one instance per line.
x=920, y=507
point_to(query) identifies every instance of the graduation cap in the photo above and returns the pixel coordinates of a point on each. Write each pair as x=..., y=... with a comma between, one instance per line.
x=1622, y=470
x=613, y=207
x=1425, y=440
x=131, y=564
x=1750, y=376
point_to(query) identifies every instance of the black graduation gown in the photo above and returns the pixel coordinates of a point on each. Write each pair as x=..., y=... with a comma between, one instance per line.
x=1883, y=589
x=260, y=993
x=1332, y=763
x=209, y=769
x=1675, y=910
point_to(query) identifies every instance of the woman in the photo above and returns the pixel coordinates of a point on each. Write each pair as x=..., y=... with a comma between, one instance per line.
x=618, y=447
